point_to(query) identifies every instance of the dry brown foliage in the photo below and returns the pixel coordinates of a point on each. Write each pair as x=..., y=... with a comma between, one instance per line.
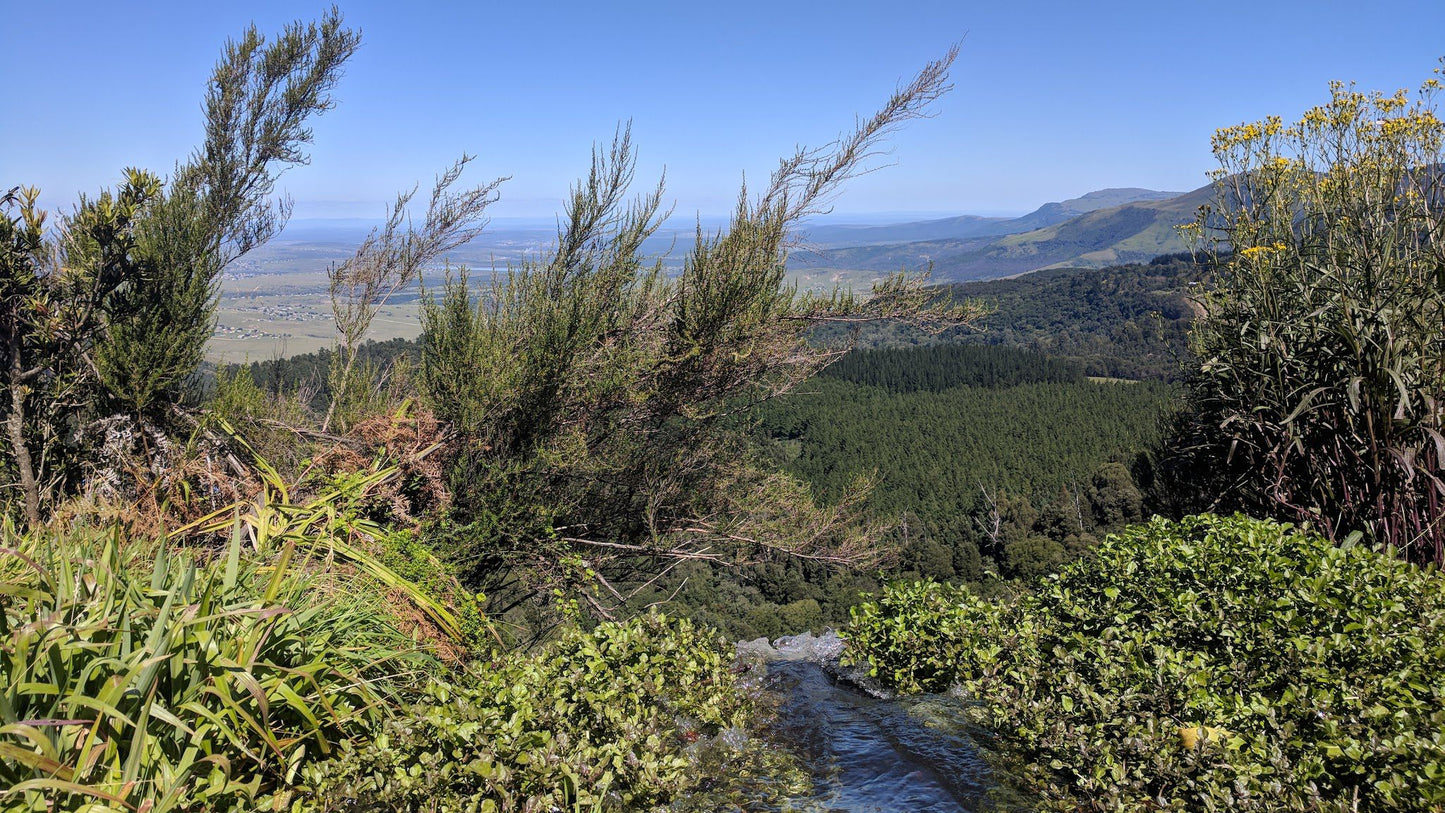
x=411, y=439
x=143, y=479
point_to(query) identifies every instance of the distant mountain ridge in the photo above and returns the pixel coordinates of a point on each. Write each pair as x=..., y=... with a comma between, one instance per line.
x=1052, y=213
x=973, y=226
x=1100, y=229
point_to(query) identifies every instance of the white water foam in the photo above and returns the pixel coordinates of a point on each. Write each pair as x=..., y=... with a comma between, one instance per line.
x=823, y=650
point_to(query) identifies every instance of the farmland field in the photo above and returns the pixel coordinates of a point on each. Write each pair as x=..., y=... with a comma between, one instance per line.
x=274, y=300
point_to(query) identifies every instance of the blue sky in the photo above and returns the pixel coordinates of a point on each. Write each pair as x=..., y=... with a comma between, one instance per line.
x=1051, y=99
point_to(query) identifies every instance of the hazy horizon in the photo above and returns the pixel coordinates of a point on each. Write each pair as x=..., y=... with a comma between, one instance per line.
x=708, y=220
x=1050, y=99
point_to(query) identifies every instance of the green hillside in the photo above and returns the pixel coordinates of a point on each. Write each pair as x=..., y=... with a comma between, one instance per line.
x=969, y=227
x=1132, y=232
x=1126, y=321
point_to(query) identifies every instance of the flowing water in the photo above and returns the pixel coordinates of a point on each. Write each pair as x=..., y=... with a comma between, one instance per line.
x=867, y=751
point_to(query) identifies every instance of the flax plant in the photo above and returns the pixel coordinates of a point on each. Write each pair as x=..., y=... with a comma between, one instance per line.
x=179, y=685
x=329, y=524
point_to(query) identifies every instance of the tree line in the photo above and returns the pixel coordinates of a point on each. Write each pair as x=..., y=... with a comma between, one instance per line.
x=1127, y=321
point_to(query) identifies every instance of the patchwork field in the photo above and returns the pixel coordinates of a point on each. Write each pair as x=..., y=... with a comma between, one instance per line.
x=274, y=301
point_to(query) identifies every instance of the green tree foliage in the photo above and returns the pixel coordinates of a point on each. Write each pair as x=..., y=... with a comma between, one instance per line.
x=115, y=311
x=937, y=488
x=391, y=258
x=599, y=400
x=235, y=399
x=939, y=367
x=962, y=500
x=22, y=257
x=980, y=470
x=1122, y=322
x=309, y=374
x=1322, y=354
x=1212, y=663
x=217, y=206
x=56, y=299
x=1127, y=321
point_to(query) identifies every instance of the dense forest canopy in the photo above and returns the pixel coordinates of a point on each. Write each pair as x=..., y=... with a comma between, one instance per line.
x=1127, y=321
x=939, y=367
x=1010, y=464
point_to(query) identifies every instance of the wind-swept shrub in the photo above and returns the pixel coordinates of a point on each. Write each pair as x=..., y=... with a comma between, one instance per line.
x=602, y=402
x=1212, y=663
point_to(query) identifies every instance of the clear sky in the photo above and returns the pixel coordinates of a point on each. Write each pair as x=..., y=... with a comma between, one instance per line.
x=1051, y=99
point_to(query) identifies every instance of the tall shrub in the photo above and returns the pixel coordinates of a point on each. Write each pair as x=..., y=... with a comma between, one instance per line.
x=112, y=310
x=600, y=399
x=1321, y=384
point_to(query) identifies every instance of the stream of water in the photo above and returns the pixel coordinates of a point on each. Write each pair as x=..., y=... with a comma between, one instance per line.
x=867, y=752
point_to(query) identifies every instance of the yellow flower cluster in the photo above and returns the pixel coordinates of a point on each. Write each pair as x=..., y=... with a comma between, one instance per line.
x=1254, y=252
x=1228, y=137
x=1389, y=104
x=1356, y=150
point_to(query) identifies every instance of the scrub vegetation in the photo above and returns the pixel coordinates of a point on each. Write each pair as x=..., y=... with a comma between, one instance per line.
x=499, y=568
x=231, y=600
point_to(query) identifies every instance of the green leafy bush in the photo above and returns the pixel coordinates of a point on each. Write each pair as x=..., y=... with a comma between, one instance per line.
x=1208, y=663
x=912, y=635
x=607, y=719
